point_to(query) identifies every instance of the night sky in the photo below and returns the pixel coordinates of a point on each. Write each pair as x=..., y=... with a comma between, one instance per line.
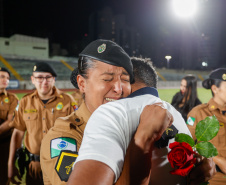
x=66, y=21
x=60, y=21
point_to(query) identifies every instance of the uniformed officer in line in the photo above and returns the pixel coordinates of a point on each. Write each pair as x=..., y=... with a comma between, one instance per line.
x=8, y=103
x=104, y=74
x=216, y=106
x=36, y=114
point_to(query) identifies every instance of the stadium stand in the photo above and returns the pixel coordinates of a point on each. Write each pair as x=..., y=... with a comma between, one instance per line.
x=24, y=68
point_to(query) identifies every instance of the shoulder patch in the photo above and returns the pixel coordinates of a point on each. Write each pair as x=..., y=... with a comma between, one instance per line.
x=62, y=143
x=191, y=121
x=65, y=163
x=17, y=107
x=74, y=105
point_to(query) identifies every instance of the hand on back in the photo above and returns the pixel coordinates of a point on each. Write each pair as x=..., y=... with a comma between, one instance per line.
x=153, y=122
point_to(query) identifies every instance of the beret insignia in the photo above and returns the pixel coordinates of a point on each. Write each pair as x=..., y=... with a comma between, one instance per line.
x=101, y=48
x=34, y=69
x=224, y=76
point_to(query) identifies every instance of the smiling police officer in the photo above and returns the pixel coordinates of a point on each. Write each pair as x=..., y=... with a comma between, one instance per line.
x=36, y=114
x=216, y=106
x=8, y=103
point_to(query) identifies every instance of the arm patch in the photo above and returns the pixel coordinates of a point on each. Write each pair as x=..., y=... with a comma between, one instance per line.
x=65, y=163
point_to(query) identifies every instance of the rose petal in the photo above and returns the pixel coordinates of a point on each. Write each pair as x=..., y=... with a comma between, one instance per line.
x=174, y=144
x=182, y=172
x=187, y=146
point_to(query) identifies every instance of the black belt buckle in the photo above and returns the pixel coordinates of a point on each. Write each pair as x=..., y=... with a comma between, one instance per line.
x=34, y=157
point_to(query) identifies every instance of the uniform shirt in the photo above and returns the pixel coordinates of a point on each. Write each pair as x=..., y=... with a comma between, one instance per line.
x=37, y=118
x=71, y=127
x=219, y=141
x=8, y=103
x=111, y=127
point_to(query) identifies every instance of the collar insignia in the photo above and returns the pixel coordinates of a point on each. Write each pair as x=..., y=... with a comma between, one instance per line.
x=59, y=106
x=6, y=100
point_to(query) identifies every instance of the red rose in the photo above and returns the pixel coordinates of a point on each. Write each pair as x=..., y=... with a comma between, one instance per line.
x=182, y=157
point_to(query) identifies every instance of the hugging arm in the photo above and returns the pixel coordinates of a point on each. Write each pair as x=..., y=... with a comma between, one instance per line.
x=95, y=172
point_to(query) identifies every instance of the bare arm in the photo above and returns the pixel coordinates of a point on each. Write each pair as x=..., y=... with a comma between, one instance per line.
x=88, y=172
x=15, y=143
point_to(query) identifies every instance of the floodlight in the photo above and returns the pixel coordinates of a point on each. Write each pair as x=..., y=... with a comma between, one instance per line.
x=184, y=8
x=168, y=59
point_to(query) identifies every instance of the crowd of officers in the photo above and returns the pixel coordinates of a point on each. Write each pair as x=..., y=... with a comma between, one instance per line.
x=29, y=120
x=24, y=124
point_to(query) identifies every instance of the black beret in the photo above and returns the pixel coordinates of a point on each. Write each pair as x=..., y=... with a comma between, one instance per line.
x=73, y=78
x=44, y=67
x=218, y=74
x=109, y=52
x=5, y=70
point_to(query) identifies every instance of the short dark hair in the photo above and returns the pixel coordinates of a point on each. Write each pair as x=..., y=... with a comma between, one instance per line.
x=144, y=72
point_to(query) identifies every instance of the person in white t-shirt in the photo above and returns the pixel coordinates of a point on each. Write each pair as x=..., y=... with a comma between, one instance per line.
x=110, y=131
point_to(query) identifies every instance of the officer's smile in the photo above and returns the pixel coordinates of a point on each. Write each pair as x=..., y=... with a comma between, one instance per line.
x=110, y=99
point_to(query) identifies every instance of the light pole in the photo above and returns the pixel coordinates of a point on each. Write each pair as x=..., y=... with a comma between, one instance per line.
x=168, y=59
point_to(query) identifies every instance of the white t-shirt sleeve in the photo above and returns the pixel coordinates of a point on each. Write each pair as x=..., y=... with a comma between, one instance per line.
x=104, y=137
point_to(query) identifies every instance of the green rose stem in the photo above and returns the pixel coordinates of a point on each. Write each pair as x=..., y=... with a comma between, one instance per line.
x=205, y=130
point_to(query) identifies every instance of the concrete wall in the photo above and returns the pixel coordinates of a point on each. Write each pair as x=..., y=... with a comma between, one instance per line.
x=27, y=46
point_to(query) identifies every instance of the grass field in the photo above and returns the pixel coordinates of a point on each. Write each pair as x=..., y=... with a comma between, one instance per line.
x=167, y=94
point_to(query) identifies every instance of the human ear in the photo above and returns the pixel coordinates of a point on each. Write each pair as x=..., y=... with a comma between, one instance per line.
x=32, y=80
x=81, y=83
x=214, y=89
